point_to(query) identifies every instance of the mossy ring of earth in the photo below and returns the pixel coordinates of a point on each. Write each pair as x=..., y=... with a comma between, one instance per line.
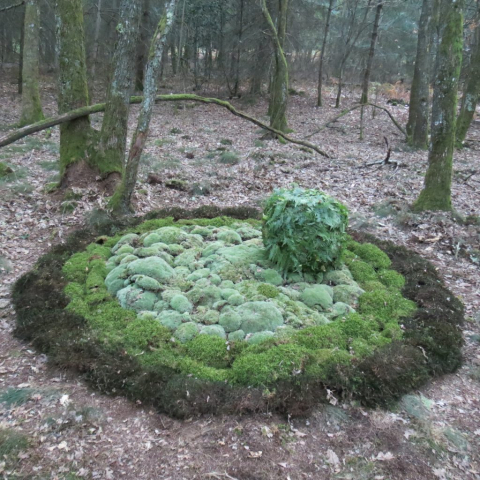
x=183, y=311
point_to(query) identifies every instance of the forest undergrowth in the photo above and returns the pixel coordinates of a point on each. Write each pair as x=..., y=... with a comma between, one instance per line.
x=53, y=426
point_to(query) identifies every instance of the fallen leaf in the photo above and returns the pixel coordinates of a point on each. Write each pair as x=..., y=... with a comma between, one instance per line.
x=255, y=454
x=383, y=457
x=333, y=460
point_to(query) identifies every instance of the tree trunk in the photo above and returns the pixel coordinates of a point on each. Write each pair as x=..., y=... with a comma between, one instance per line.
x=142, y=46
x=417, y=125
x=259, y=66
x=322, y=53
x=121, y=201
x=20, y=60
x=75, y=136
x=471, y=90
x=279, y=88
x=371, y=53
x=109, y=153
x=236, y=87
x=436, y=194
x=173, y=55
x=31, y=105
x=96, y=38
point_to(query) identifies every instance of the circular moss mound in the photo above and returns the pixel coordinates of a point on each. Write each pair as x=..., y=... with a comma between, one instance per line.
x=190, y=316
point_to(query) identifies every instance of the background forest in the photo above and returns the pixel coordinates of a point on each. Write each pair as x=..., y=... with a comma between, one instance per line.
x=196, y=102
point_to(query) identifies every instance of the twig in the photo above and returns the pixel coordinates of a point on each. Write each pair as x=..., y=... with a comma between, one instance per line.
x=4, y=9
x=355, y=107
x=470, y=176
x=220, y=475
x=386, y=160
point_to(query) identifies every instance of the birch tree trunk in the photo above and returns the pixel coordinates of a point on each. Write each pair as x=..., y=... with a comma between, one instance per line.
x=31, y=105
x=371, y=53
x=436, y=194
x=417, y=125
x=72, y=89
x=121, y=201
x=322, y=53
x=279, y=86
x=109, y=153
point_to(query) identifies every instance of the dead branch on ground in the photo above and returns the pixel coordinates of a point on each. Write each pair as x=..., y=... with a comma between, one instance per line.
x=100, y=107
x=351, y=109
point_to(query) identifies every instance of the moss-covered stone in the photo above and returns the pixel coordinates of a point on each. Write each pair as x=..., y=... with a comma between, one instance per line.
x=170, y=319
x=236, y=336
x=317, y=296
x=153, y=267
x=213, y=330
x=131, y=239
x=270, y=276
x=133, y=298
x=348, y=294
x=259, y=316
x=338, y=277
x=236, y=299
x=198, y=274
x=268, y=291
x=229, y=237
x=186, y=332
x=205, y=296
x=115, y=280
x=230, y=320
x=259, y=337
x=181, y=304
x=147, y=283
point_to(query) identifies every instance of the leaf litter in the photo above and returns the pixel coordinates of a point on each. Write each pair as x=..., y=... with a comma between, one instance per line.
x=72, y=430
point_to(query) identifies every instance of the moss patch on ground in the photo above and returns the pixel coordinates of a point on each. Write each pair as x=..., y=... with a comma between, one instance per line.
x=389, y=345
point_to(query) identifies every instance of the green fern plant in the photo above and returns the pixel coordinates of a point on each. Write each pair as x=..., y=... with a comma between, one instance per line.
x=304, y=230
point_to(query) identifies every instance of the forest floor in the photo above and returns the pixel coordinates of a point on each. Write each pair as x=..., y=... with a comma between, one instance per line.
x=53, y=426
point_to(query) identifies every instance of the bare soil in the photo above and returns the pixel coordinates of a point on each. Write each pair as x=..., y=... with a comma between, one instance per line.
x=74, y=432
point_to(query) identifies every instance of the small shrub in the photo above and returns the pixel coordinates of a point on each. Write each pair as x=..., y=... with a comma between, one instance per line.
x=229, y=158
x=304, y=230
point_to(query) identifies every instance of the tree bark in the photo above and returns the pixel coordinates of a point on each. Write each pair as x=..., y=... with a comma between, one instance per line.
x=279, y=87
x=75, y=136
x=142, y=47
x=436, y=194
x=20, y=58
x=371, y=53
x=96, y=38
x=109, y=153
x=322, y=53
x=31, y=104
x=471, y=90
x=121, y=201
x=417, y=125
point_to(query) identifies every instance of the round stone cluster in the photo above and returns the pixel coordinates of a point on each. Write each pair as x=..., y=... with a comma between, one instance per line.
x=218, y=281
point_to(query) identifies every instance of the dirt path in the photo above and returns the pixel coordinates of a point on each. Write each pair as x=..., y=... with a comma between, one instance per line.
x=59, y=428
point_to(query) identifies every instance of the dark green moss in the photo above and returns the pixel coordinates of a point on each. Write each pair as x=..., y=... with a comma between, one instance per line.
x=157, y=371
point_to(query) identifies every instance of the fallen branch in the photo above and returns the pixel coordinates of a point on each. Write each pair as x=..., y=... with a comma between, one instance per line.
x=100, y=107
x=351, y=109
x=4, y=9
x=386, y=160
